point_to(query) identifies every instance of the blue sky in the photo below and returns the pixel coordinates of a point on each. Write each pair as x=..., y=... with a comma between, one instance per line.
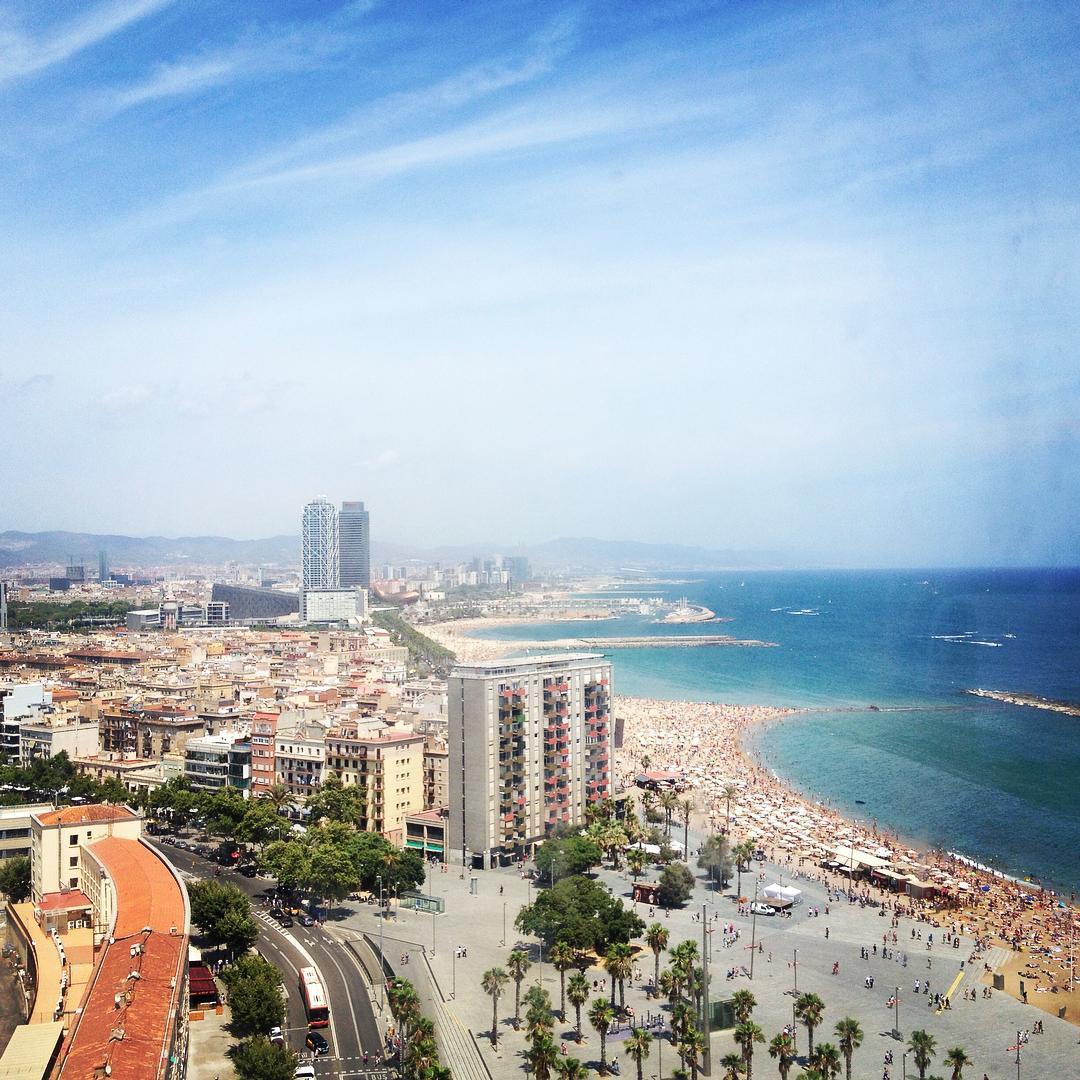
x=785, y=276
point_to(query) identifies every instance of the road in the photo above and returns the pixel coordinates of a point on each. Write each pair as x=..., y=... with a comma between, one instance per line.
x=352, y=1021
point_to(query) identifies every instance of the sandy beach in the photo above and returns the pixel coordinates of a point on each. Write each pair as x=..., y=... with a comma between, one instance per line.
x=703, y=743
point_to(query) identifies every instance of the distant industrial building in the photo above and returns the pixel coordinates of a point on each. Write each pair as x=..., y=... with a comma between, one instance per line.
x=173, y=615
x=250, y=604
x=354, y=546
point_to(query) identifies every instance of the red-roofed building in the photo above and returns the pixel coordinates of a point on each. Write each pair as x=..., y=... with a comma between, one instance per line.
x=133, y=1020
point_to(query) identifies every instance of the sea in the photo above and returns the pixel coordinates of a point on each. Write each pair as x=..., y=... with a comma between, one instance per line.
x=882, y=660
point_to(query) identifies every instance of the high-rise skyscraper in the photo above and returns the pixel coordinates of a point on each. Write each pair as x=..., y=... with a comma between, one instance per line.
x=530, y=749
x=318, y=548
x=354, y=533
x=103, y=566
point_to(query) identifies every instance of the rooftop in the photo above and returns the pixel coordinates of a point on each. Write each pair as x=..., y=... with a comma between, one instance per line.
x=527, y=663
x=152, y=912
x=86, y=815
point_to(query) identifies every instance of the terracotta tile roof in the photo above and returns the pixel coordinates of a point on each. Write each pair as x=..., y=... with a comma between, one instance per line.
x=148, y=895
x=68, y=900
x=86, y=815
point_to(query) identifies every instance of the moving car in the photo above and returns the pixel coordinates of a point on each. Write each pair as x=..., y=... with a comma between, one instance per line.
x=306, y=920
x=316, y=1043
x=276, y=1035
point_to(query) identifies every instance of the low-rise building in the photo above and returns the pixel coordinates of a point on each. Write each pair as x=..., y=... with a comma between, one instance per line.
x=70, y=735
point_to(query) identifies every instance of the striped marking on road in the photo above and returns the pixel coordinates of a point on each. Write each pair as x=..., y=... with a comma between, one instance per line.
x=949, y=993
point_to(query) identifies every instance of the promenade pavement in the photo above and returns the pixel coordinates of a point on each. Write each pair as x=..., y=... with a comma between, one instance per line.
x=479, y=919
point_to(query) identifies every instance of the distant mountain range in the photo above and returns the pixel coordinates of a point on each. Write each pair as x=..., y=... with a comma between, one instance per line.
x=582, y=554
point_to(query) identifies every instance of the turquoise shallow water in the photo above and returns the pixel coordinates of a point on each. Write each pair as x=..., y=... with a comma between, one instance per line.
x=999, y=782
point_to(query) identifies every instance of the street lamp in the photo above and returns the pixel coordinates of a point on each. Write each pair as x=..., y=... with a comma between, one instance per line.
x=753, y=930
x=896, y=1013
x=503, y=942
x=904, y=1065
x=453, y=969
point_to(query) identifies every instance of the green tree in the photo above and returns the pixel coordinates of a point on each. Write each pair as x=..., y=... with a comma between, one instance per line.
x=562, y=958
x=691, y=1046
x=922, y=1046
x=743, y=1004
x=224, y=810
x=850, y=1035
x=809, y=1008
x=570, y=1068
x=211, y=901
x=656, y=937
x=638, y=1046
x=289, y=863
x=686, y=809
x=518, y=965
x=676, y=885
x=602, y=1016
x=746, y=1034
x=826, y=1059
x=782, y=1051
x=258, y=1058
x=15, y=878
x=956, y=1059
x=577, y=991
x=237, y=931
x=542, y=1055
x=566, y=857
x=336, y=802
x=538, y=1016
x=333, y=874
x=742, y=853
x=493, y=983
x=255, y=995
x=580, y=912
x=733, y=1065
x=619, y=964
x=715, y=858
x=261, y=823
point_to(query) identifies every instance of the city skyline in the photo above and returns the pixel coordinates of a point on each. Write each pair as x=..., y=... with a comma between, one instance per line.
x=776, y=277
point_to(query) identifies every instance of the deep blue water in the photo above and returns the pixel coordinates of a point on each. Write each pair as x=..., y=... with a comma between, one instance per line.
x=998, y=782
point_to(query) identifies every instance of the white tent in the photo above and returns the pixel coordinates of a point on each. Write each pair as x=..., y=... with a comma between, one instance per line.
x=783, y=892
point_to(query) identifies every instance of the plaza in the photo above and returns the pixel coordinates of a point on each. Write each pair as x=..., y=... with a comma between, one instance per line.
x=448, y=953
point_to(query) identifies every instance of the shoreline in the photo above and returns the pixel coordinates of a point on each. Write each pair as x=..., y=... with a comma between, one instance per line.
x=792, y=824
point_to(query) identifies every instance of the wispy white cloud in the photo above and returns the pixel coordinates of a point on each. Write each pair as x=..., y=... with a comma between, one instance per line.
x=273, y=50
x=22, y=55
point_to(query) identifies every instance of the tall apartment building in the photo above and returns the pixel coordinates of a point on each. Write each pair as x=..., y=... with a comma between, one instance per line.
x=354, y=544
x=299, y=754
x=388, y=766
x=263, y=769
x=318, y=549
x=530, y=748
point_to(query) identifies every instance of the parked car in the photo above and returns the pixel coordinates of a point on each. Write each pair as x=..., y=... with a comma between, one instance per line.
x=316, y=1043
x=276, y=1035
x=304, y=1072
x=248, y=870
x=762, y=909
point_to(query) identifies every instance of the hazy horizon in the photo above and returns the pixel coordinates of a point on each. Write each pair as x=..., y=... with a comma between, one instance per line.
x=785, y=277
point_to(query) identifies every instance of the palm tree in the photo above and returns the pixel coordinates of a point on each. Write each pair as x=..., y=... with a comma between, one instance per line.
x=493, y=983
x=922, y=1046
x=826, y=1059
x=782, y=1049
x=646, y=761
x=647, y=800
x=746, y=1034
x=687, y=807
x=602, y=1016
x=851, y=1036
x=743, y=852
x=570, y=1068
x=518, y=965
x=730, y=791
x=657, y=938
x=668, y=802
x=578, y=993
x=619, y=964
x=733, y=1066
x=809, y=1009
x=742, y=1003
x=538, y=1011
x=542, y=1055
x=956, y=1059
x=562, y=957
x=638, y=1046
x=691, y=1047
x=636, y=860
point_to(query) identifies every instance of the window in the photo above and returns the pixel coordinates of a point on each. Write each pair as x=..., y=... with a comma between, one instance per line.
x=73, y=882
x=73, y=861
x=73, y=839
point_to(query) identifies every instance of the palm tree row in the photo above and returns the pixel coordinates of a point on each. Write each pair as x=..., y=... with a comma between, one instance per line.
x=419, y=1051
